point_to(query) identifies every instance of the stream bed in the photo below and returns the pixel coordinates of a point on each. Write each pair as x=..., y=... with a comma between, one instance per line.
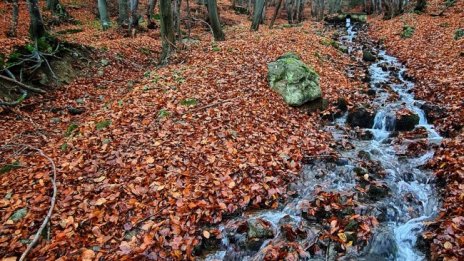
x=369, y=202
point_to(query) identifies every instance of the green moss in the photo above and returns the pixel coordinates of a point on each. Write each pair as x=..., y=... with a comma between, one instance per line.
x=70, y=129
x=103, y=124
x=459, y=33
x=408, y=31
x=163, y=113
x=189, y=102
x=9, y=167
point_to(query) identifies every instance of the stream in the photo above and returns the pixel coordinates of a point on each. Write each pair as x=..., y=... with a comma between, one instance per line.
x=378, y=179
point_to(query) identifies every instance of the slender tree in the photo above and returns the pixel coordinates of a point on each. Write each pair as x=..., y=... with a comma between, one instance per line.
x=103, y=11
x=176, y=12
x=420, y=5
x=123, y=16
x=257, y=14
x=167, y=30
x=276, y=12
x=57, y=8
x=14, y=20
x=151, y=14
x=214, y=20
x=134, y=14
x=36, y=28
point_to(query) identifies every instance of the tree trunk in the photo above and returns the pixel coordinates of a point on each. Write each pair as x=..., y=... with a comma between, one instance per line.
x=420, y=5
x=14, y=20
x=57, y=8
x=123, y=16
x=276, y=13
x=151, y=14
x=134, y=15
x=36, y=28
x=257, y=14
x=103, y=11
x=167, y=30
x=176, y=11
x=189, y=21
x=214, y=21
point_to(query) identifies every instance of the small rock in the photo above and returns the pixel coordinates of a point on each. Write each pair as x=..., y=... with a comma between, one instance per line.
x=105, y=62
x=368, y=56
x=361, y=117
x=406, y=120
x=76, y=111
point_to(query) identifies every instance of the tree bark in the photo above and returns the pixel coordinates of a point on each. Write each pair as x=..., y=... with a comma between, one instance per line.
x=123, y=16
x=276, y=13
x=134, y=14
x=151, y=14
x=57, y=8
x=214, y=21
x=36, y=28
x=14, y=20
x=257, y=14
x=103, y=11
x=420, y=5
x=176, y=11
x=167, y=30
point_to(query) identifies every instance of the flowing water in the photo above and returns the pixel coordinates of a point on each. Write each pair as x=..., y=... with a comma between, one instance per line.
x=411, y=198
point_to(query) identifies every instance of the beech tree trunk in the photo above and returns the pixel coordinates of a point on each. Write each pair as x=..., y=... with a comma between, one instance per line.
x=36, y=28
x=276, y=13
x=151, y=14
x=214, y=21
x=14, y=20
x=57, y=8
x=257, y=14
x=103, y=11
x=134, y=14
x=167, y=30
x=420, y=5
x=123, y=16
x=176, y=11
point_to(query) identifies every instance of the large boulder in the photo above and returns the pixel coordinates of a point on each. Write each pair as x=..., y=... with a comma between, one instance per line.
x=294, y=80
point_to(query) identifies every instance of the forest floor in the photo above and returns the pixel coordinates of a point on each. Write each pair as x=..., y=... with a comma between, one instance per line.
x=165, y=151
x=168, y=149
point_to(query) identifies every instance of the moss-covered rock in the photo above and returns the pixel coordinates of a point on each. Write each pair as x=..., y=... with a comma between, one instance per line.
x=294, y=80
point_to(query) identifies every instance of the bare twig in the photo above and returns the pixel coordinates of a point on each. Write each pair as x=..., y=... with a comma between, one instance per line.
x=203, y=21
x=31, y=245
x=22, y=85
x=212, y=105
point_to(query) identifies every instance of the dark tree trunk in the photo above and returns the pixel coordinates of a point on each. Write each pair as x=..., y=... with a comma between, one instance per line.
x=276, y=13
x=123, y=16
x=14, y=20
x=151, y=14
x=103, y=11
x=36, y=28
x=420, y=5
x=57, y=8
x=214, y=20
x=257, y=14
x=167, y=30
x=134, y=14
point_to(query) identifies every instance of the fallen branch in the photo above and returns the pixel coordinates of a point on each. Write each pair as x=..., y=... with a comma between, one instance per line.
x=22, y=85
x=31, y=245
x=212, y=105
